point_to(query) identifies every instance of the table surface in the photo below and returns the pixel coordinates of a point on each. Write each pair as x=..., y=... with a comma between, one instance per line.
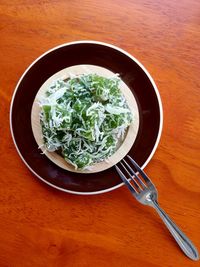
x=41, y=226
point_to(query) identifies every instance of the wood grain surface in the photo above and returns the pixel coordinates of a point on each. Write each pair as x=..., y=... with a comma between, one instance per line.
x=40, y=226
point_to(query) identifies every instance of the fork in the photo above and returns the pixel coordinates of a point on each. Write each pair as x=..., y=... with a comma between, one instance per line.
x=146, y=193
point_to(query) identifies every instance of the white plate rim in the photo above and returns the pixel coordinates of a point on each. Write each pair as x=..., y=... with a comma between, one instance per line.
x=128, y=55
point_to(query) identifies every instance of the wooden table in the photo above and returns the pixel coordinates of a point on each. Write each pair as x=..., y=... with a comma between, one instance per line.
x=40, y=226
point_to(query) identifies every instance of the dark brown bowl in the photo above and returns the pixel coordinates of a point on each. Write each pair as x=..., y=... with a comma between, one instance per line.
x=131, y=71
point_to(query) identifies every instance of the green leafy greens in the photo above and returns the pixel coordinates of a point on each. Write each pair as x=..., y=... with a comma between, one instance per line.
x=83, y=118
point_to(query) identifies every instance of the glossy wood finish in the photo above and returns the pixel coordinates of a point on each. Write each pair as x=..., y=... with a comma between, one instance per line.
x=40, y=226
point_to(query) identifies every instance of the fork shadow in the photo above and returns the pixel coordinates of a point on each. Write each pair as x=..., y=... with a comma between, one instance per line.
x=149, y=215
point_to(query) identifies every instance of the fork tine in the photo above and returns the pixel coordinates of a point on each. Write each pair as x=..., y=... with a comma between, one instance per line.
x=134, y=173
x=136, y=184
x=126, y=181
x=141, y=172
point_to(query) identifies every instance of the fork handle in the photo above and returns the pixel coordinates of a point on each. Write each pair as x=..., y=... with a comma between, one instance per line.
x=183, y=241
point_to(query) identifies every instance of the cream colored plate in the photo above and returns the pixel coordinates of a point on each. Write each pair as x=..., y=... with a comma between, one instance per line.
x=124, y=147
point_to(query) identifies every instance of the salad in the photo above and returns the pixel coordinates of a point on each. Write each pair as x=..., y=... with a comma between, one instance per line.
x=84, y=118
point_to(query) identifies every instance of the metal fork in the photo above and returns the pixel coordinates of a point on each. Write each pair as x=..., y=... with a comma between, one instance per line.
x=145, y=192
